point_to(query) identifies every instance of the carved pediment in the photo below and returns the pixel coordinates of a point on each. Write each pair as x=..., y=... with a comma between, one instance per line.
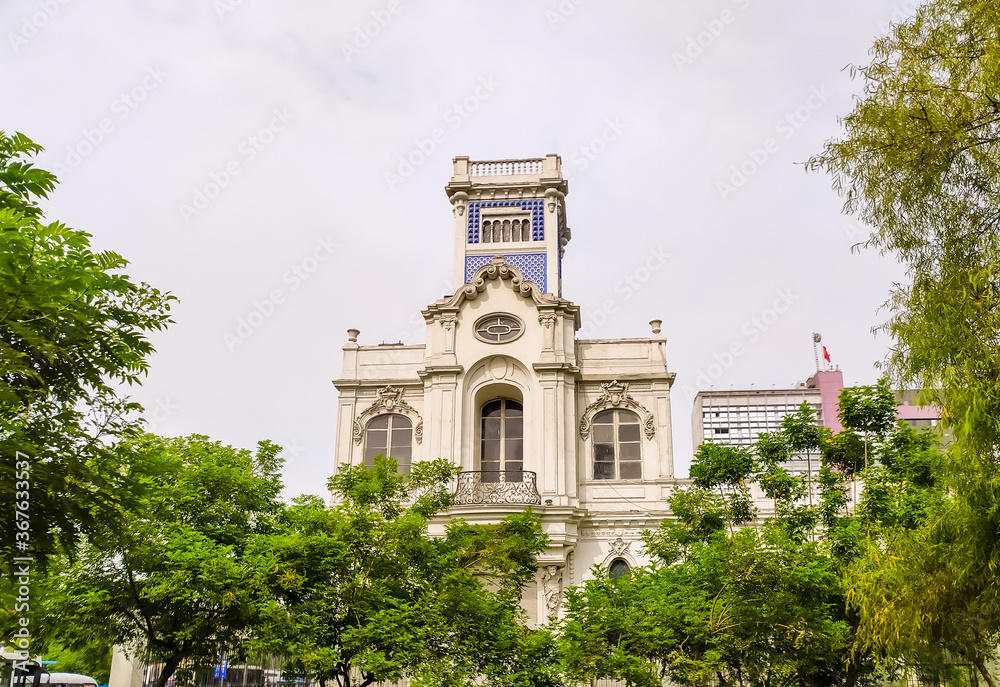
x=500, y=270
x=615, y=395
x=388, y=399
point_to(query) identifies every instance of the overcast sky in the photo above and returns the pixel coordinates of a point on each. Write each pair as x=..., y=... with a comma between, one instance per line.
x=250, y=155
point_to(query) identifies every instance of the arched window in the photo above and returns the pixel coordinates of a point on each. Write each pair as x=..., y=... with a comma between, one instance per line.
x=619, y=568
x=392, y=436
x=501, y=456
x=487, y=232
x=617, y=446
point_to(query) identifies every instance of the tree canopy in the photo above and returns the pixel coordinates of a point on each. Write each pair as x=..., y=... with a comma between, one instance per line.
x=73, y=326
x=368, y=595
x=918, y=161
x=180, y=577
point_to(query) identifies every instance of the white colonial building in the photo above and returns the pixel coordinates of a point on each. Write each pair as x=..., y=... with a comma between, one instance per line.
x=578, y=430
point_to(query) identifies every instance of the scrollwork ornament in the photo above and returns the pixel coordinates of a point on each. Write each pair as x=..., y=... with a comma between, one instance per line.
x=388, y=400
x=619, y=546
x=616, y=394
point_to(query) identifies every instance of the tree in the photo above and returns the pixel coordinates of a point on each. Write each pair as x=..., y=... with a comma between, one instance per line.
x=761, y=606
x=919, y=163
x=754, y=608
x=722, y=465
x=72, y=327
x=870, y=410
x=368, y=595
x=180, y=577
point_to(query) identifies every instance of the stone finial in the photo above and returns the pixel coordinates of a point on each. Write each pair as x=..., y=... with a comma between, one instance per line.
x=655, y=324
x=352, y=335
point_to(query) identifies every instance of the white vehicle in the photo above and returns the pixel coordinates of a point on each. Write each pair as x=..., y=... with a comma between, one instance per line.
x=66, y=680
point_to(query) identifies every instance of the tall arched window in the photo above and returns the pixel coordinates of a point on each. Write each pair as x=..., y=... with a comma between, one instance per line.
x=501, y=456
x=617, y=445
x=391, y=435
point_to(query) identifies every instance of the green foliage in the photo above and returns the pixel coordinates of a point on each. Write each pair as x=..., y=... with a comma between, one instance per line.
x=180, y=576
x=717, y=465
x=919, y=163
x=767, y=606
x=868, y=409
x=800, y=430
x=92, y=659
x=72, y=327
x=363, y=586
x=844, y=452
x=755, y=608
x=773, y=448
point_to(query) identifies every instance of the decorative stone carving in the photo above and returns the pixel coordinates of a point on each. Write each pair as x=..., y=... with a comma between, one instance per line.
x=388, y=400
x=459, y=200
x=619, y=546
x=552, y=583
x=449, y=322
x=547, y=320
x=615, y=395
x=608, y=533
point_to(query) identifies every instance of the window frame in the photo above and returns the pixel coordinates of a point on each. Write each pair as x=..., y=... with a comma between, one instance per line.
x=503, y=472
x=390, y=429
x=498, y=316
x=616, y=444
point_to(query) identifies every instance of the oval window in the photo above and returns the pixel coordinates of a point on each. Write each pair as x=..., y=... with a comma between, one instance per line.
x=498, y=328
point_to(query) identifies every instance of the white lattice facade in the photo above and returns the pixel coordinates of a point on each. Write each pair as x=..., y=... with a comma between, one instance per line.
x=578, y=430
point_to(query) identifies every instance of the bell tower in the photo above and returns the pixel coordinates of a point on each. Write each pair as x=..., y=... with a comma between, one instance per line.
x=513, y=208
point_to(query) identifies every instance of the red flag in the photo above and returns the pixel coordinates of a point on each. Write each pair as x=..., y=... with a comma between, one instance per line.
x=826, y=354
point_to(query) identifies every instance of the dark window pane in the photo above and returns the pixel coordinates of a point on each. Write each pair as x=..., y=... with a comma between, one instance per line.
x=491, y=450
x=630, y=470
x=605, y=417
x=604, y=452
x=377, y=438
x=370, y=454
x=628, y=432
x=604, y=470
x=604, y=433
x=400, y=422
x=491, y=472
x=629, y=452
x=514, y=449
x=513, y=472
x=401, y=455
x=491, y=428
x=513, y=428
x=381, y=422
x=401, y=437
x=514, y=409
x=492, y=409
x=619, y=568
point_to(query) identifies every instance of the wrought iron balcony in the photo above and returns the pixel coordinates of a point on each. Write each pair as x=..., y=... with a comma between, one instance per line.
x=497, y=486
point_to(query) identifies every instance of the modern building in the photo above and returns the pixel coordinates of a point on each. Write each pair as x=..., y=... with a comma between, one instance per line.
x=739, y=417
x=579, y=430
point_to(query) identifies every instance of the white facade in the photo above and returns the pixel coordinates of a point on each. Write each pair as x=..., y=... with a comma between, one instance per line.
x=578, y=430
